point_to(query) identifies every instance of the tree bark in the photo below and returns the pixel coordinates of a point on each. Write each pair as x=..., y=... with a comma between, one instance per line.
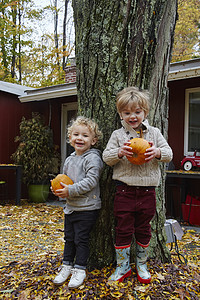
x=118, y=44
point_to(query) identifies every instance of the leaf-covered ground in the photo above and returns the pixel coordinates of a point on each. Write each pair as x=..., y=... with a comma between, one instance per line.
x=31, y=247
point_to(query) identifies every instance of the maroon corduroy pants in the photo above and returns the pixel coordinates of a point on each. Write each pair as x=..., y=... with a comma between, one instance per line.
x=134, y=208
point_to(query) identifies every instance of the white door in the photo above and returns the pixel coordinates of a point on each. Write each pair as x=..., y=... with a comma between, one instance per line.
x=69, y=111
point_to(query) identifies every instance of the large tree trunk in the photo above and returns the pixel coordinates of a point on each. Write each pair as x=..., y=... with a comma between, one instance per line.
x=118, y=44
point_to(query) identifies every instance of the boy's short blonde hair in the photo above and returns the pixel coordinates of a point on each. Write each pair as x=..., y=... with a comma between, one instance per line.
x=132, y=95
x=91, y=125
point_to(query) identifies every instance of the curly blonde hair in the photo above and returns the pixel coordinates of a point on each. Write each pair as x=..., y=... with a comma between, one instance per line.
x=91, y=125
x=133, y=95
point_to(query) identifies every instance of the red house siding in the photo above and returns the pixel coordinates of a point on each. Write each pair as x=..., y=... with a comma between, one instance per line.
x=177, y=115
x=11, y=113
x=176, y=140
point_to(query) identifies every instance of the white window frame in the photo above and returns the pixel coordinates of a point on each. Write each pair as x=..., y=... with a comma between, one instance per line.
x=187, y=93
x=65, y=108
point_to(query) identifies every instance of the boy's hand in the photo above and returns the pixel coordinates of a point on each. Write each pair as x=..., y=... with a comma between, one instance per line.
x=62, y=193
x=125, y=150
x=152, y=152
x=52, y=189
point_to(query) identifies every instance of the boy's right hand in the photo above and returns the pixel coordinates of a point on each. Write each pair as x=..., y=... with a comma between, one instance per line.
x=125, y=150
x=61, y=192
x=64, y=192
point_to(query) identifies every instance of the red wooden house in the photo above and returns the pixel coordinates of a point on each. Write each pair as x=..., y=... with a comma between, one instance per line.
x=58, y=104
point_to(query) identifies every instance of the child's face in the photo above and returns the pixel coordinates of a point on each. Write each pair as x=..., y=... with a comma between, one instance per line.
x=133, y=115
x=81, y=139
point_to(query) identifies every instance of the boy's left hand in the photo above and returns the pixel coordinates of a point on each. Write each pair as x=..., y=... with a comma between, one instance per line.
x=152, y=152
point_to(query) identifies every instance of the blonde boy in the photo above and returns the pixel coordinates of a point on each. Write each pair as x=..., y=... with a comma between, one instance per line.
x=135, y=201
x=82, y=199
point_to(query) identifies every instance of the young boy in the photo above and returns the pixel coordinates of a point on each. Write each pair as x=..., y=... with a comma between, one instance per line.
x=82, y=199
x=135, y=202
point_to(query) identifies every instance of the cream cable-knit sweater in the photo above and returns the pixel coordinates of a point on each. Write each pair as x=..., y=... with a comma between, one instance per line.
x=147, y=174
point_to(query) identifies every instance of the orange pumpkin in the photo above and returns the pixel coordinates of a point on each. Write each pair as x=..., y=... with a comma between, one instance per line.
x=55, y=183
x=139, y=146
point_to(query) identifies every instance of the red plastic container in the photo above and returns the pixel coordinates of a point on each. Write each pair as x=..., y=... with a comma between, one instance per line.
x=191, y=210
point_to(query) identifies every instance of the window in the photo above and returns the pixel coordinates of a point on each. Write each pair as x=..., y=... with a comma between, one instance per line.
x=192, y=121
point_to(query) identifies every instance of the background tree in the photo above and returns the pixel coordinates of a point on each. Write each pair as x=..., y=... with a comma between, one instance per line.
x=12, y=15
x=118, y=44
x=14, y=40
x=187, y=32
x=64, y=33
x=21, y=42
x=20, y=37
x=56, y=28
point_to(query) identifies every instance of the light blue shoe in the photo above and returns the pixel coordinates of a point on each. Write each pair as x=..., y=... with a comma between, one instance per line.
x=123, y=268
x=143, y=274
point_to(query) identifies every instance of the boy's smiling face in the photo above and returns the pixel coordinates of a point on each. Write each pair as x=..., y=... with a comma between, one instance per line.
x=133, y=115
x=82, y=139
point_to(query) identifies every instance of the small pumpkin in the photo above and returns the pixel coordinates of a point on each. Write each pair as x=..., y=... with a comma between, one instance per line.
x=55, y=183
x=139, y=146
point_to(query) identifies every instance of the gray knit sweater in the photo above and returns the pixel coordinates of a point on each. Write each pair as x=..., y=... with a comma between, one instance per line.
x=147, y=174
x=85, y=171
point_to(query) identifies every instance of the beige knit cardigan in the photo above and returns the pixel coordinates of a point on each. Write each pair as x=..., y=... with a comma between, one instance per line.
x=147, y=174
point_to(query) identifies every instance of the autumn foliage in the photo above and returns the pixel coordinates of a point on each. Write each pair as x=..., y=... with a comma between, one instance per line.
x=186, y=40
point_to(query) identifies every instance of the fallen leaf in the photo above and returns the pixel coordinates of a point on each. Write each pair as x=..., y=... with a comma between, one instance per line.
x=160, y=276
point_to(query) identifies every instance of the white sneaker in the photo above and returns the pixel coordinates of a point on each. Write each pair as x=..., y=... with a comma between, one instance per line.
x=78, y=276
x=63, y=274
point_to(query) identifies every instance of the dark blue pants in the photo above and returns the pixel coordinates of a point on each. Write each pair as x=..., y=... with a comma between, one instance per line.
x=78, y=226
x=134, y=207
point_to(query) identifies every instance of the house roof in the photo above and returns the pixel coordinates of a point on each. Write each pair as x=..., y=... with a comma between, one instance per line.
x=50, y=92
x=13, y=88
x=177, y=71
x=184, y=69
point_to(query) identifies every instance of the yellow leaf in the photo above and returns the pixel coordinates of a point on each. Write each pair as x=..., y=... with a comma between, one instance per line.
x=116, y=294
x=191, y=230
